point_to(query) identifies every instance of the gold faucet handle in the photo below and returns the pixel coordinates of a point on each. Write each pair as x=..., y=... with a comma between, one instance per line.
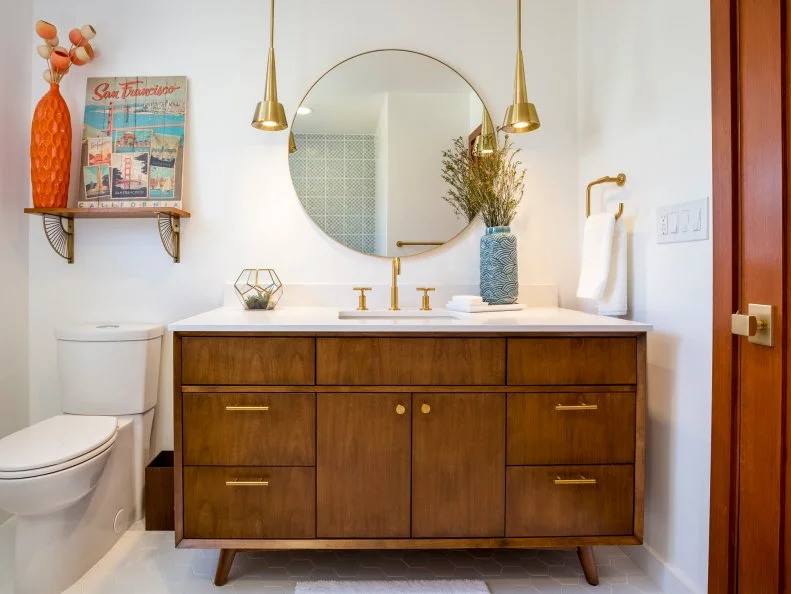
x=426, y=304
x=361, y=300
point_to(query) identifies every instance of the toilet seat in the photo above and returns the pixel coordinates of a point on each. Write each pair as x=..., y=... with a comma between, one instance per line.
x=55, y=444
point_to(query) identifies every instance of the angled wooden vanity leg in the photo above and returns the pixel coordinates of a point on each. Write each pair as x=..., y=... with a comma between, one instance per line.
x=224, y=566
x=588, y=565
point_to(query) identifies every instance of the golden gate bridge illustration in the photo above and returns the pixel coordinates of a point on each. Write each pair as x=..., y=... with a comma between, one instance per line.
x=127, y=180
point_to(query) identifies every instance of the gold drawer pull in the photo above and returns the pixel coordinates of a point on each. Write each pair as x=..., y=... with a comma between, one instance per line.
x=577, y=481
x=263, y=408
x=238, y=483
x=580, y=406
x=400, y=409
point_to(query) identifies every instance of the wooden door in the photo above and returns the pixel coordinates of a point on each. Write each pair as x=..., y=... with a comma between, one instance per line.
x=458, y=465
x=362, y=465
x=750, y=535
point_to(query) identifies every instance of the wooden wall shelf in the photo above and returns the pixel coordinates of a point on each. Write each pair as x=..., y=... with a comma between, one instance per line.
x=59, y=225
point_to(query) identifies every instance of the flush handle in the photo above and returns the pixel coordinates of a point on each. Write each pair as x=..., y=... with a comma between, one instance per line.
x=756, y=325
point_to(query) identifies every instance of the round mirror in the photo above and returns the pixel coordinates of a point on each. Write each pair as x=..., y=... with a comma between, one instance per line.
x=366, y=151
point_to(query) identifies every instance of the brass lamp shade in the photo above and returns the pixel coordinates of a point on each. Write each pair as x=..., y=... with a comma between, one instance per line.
x=269, y=114
x=521, y=115
x=486, y=142
x=292, y=143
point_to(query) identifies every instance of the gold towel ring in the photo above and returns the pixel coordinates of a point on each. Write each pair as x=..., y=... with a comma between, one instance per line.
x=620, y=180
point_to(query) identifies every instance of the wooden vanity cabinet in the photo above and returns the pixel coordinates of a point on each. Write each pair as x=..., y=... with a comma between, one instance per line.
x=458, y=465
x=408, y=441
x=363, y=465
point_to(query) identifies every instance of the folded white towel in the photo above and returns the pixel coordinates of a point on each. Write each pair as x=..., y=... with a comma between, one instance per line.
x=467, y=299
x=596, y=255
x=613, y=302
x=483, y=307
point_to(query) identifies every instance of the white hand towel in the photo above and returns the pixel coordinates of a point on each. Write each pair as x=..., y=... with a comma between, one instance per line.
x=597, y=243
x=613, y=302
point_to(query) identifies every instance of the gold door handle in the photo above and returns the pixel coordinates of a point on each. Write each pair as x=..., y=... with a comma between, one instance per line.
x=400, y=409
x=238, y=483
x=756, y=325
x=425, y=409
x=361, y=300
x=580, y=406
x=247, y=408
x=577, y=481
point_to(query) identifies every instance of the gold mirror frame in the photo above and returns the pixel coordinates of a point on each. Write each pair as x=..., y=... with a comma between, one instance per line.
x=318, y=80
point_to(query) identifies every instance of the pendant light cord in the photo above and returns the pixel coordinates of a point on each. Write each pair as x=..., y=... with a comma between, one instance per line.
x=272, y=25
x=518, y=24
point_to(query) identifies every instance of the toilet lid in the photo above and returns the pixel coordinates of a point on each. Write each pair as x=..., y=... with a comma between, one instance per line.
x=54, y=441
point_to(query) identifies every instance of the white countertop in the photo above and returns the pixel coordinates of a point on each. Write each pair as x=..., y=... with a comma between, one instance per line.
x=325, y=319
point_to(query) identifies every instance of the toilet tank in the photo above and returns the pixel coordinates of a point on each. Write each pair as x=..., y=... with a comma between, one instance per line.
x=109, y=369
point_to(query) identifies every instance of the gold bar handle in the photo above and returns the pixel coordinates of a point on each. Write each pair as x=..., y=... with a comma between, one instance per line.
x=238, y=483
x=580, y=406
x=260, y=408
x=418, y=243
x=577, y=481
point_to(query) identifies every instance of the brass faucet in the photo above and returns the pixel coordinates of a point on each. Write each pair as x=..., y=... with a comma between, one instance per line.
x=394, y=288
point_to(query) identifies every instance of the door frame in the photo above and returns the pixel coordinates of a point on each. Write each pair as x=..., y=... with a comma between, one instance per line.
x=723, y=513
x=726, y=208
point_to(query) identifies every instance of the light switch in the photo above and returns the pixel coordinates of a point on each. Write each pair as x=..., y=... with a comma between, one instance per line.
x=686, y=221
x=684, y=217
x=695, y=219
x=672, y=221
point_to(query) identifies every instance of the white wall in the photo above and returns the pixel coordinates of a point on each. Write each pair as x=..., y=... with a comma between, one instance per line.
x=416, y=210
x=382, y=160
x=253, y=218
x=16, y=48
x=645, y=109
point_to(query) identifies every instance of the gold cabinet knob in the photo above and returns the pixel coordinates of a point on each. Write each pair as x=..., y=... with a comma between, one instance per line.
x=400, y=409
x=425, y=408
x=425, y=304
x=361, y=300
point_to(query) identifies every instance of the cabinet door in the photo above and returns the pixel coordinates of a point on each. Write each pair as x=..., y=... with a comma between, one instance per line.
x=362, y=465
x=458, y=465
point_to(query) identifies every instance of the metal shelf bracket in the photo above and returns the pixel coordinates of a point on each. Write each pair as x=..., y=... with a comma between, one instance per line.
x=60, y=237
x=170, y=234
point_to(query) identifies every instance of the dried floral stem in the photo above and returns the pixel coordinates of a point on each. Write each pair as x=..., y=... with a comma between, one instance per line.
x=490, y=185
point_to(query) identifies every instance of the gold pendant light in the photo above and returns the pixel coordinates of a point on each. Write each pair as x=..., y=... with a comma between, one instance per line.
x=292, y=143
x=521, y=116
x=269, y=114
x=486, y=141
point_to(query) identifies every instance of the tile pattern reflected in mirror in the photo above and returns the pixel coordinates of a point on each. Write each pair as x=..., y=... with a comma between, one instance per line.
x=335, y=179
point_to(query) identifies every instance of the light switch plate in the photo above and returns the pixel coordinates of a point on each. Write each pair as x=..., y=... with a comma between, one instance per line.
x=685, y=221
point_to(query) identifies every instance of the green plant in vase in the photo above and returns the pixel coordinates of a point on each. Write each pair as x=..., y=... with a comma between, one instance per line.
x=492, y=186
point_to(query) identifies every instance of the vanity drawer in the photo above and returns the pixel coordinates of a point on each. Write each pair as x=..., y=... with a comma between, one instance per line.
x=247, y=361
x=541, y=501
x=249, y=429
x=410, y=361
x=572, y=361
x=279, y=502
x=571, y=428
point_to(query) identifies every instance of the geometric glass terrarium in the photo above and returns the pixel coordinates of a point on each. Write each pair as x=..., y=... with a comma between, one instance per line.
x=258, y=288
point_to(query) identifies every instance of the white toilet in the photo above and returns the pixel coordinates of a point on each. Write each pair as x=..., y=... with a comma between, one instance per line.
x=75, y=481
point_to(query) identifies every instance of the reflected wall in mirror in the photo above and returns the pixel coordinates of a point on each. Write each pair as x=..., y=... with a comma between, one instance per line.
x=369, y=140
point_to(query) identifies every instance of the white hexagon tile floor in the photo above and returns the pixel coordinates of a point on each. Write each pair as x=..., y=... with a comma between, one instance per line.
x=147, y=562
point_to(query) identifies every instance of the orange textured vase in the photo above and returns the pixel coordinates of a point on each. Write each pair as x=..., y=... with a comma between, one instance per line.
x=50, y=151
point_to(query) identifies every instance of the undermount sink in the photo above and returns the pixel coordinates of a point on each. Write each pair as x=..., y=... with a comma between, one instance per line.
x=401, y=314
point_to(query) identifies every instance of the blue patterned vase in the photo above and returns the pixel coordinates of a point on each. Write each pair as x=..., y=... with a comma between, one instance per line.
x=499, y=269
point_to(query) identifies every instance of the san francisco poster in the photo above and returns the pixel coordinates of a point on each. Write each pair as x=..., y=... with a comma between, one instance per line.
x=133, y=141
